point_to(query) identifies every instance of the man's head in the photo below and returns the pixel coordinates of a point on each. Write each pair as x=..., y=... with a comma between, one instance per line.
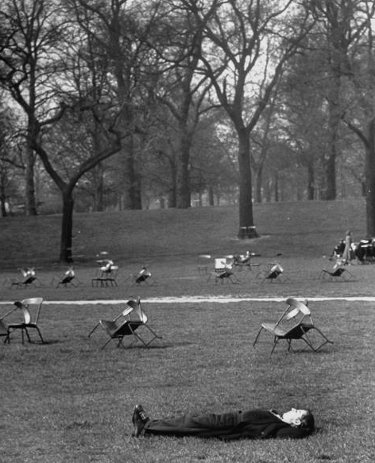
x=301, y=418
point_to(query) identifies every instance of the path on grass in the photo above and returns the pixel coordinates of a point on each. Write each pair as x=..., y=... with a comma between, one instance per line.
x=208, y=299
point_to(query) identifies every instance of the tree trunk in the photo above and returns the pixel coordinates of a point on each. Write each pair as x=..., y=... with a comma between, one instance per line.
x=310, y=182
x=211, y=196
x=67, y=227
x=276, y=187
x=132, y=194
x=183, y=173
x=172, y=192
x=29, y=180
x=334, y=119
x=370, y=179
x=3, y=198
x=258, y=185
x=330, y=166
x=99, y=188
x=247, y=228
x=172, y=198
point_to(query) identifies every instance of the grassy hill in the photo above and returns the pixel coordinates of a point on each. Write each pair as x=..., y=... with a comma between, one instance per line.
x=295, y=229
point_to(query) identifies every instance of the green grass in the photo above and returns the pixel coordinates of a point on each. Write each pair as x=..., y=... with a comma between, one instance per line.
x=69, y=401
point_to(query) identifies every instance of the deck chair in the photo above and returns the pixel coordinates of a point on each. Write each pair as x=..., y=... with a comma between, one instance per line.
x=276, y=271
x=30, y=311
x=4, y=328
x=128, y=323
x=203, y=264
x=29, y=278
x=294, y=324
x=244, y=260
x=143, y=276
x=67, y=279
x=338, y=272
x=106, y=274
x=223, y=270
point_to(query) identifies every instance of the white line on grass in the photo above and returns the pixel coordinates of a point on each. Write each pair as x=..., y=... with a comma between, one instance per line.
x=209, y=299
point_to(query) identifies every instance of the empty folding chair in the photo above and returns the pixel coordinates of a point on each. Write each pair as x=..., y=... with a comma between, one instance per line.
x=128, y=323
x=29, y=278
x=245, y=260
x=143, y=276
x=203, y=264
x=223, y=270
x=106, y=275
x=4, y=327
x=67, y=279
x=294, y=324
x=276, y=271
x=337, y=272
x=30, y=309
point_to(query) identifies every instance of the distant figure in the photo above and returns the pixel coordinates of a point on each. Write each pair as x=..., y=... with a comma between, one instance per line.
x=338, y=250
x=346, y=256
x=249, y=424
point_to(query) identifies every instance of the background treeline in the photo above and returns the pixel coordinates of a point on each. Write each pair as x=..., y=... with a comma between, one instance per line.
x=130, y=104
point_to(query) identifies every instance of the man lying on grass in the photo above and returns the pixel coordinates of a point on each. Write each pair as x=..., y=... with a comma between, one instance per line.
x=252, y=424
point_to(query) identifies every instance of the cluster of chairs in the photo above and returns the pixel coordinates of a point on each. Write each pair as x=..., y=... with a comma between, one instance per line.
x=106, y=276
x=29, y=278
x=223, y=269
x=107, y=273
x=295, y=323
x=129, y=323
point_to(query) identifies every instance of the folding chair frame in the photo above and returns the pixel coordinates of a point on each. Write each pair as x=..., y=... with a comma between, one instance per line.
x=131, y=329
x=28, y=322
x=297, y=332
x=66, y=280
x=223, y=271
x=128, y=327
x=4, y=328
x=340, y=272
x=204, y=260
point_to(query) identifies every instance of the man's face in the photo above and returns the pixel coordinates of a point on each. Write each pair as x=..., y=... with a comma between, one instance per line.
x=294, y=416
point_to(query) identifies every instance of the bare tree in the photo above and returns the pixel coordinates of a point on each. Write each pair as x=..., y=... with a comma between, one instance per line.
x=247, y=44
x=337, y=19
x=41, y=73
x=121, y=32
x=181, y=89
x=360, y=103
x=30, y=36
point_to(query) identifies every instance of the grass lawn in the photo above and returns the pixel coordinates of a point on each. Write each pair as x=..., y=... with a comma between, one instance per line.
x=70, y=401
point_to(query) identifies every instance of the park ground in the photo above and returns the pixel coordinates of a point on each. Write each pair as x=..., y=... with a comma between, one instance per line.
x=70, y=401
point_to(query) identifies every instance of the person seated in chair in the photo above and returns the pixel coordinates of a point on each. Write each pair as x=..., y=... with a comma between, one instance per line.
x=251, y=424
